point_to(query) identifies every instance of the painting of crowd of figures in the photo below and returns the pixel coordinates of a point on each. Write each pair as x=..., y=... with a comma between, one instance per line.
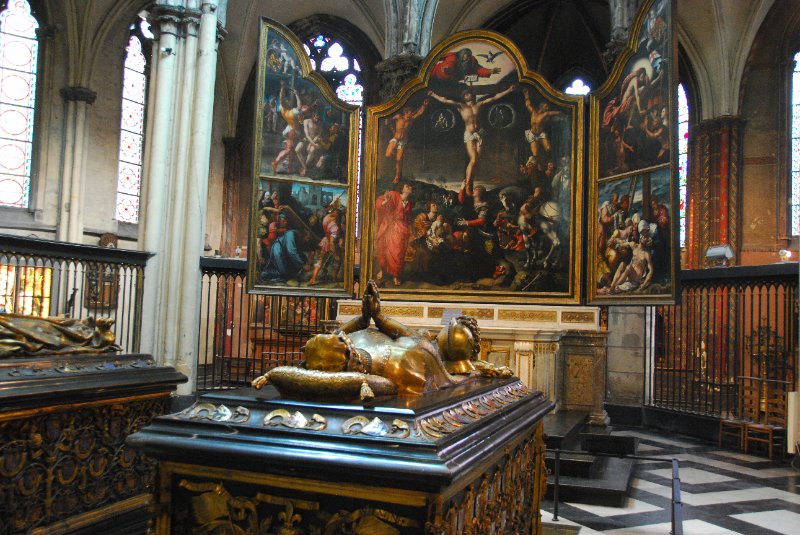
x=632, y=250
x=473, y=180
x=302, y=212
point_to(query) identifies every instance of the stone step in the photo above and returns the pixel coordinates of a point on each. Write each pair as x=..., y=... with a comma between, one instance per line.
x=608, y=484
x=560, y=427
x=572, y=464
x=602, y=442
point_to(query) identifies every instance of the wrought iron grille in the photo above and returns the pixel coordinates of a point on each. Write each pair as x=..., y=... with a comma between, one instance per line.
x=242, y=335
x=50, y=278
x=730, y=324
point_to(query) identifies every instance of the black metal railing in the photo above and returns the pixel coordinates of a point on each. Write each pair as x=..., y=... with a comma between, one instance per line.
x=51, y=278
x=242, y=335
x=729, y=323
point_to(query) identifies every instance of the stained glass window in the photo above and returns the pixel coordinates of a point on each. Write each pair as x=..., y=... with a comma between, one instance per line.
x=334, y=62
x=25, y=290
x=134, y=94
x=683, y=159
x=577, y=87
x=19, y=52
x=794, y=205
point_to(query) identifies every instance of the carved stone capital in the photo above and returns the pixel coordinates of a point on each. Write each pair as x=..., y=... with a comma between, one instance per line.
x=166, y=20
x=396, y=71
x=613, y=49
x=190, y=25
x=76, y=93
x=208, y=7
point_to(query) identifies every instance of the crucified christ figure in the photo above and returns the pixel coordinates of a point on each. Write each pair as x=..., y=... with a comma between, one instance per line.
x=473, y=132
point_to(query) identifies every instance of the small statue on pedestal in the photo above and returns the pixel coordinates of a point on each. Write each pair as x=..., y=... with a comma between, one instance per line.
x=362, y=362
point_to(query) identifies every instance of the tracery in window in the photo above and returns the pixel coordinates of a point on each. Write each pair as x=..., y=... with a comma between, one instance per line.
x=794, y=205
x=19, y=52
x=337, y=65
x=577, y=87
x=134, y=94
x=683, y=159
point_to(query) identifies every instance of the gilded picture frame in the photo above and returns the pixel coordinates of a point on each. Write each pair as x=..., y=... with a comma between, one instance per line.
x=473, y=185
x=632, y=250
x=302, y=230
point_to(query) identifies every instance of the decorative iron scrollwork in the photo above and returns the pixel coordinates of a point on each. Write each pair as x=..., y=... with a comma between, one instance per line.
x=296, y=420
x=217, y=413
x=361, y=425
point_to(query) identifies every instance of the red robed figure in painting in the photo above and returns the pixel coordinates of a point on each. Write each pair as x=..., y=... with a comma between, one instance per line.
x=454, y=66
x=393, y=219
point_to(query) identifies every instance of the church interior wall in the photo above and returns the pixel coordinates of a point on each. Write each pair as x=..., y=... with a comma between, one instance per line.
x=738, y=54
x=102, y=134
x=765, y=92
x=626, y=351
x=732, y=28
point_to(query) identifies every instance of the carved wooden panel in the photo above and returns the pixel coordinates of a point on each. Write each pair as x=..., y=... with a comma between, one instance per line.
x=579, y=380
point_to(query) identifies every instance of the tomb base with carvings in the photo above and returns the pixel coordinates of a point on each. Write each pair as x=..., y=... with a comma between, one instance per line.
x=64, y=465
x=468, y=459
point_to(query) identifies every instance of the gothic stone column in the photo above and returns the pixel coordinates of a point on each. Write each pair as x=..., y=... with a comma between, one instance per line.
x=70, y=223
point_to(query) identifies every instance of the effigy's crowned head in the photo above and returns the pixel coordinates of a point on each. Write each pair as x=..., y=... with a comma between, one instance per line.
x=460, y=343
x=328, y=352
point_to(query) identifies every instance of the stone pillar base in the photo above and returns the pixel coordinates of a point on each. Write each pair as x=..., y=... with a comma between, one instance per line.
x=582, y=373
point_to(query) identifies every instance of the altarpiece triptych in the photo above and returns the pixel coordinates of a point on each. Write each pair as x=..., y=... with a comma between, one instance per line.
x=481, y=180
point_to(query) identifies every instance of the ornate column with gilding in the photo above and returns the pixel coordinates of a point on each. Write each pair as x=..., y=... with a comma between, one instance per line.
x=582, y=374
x=714, y=198
x=70, y=224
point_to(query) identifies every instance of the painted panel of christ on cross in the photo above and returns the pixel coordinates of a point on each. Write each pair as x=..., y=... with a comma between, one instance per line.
x=472, y=180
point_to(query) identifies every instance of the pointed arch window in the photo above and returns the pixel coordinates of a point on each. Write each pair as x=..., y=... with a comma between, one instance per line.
x=337, y=64
x=19, y=51
x=683, y=159
x=131, y=139
x=577, y=87
x=794, y=192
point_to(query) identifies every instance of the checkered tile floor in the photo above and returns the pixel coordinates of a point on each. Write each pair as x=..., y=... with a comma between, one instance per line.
x=723, y=492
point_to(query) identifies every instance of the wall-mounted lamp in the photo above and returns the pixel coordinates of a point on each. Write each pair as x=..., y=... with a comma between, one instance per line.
x=719, y=254
x=166, y=51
